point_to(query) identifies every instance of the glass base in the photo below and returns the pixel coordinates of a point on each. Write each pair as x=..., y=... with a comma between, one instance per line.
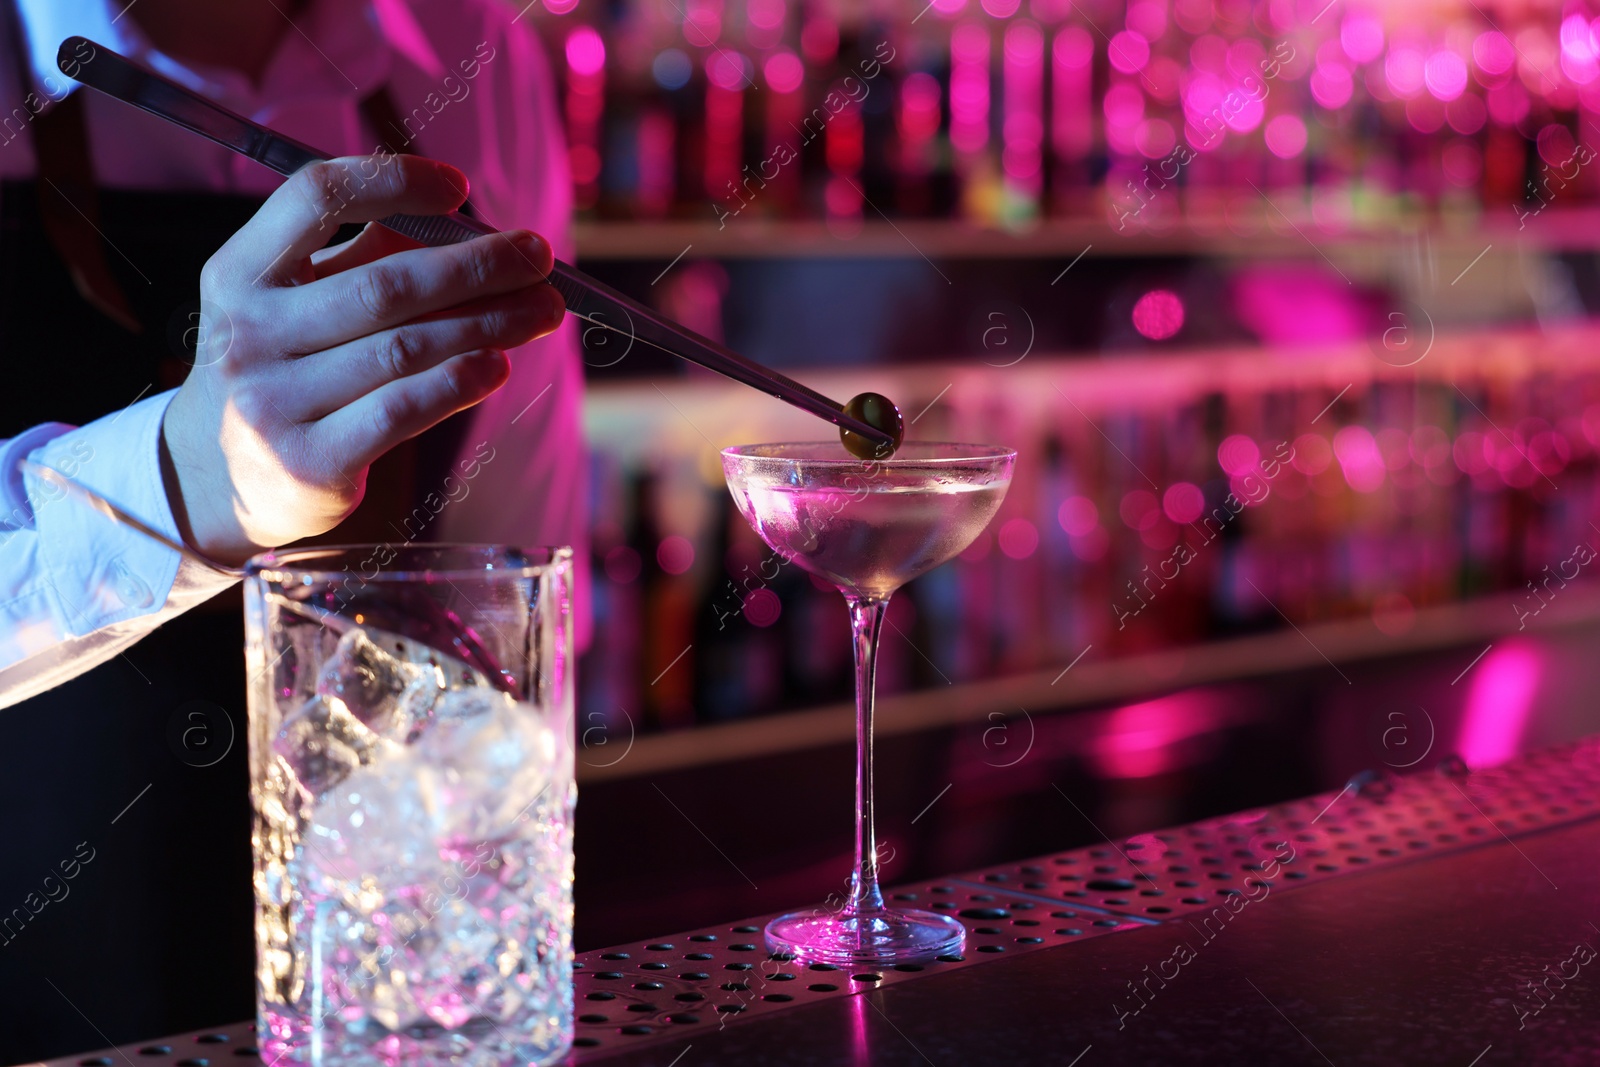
x=844, y=938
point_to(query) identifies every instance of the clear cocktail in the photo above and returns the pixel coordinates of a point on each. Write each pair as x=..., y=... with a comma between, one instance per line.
x=868, y=527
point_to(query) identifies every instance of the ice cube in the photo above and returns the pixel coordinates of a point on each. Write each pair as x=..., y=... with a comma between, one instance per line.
x=323, y=743
x=379, y=686
x=482, y=765
x=471, y=776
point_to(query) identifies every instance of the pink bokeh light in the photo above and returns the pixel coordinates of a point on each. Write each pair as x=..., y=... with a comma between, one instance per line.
x=1404, y=71
x=1556, y=144
x=1238, y=454
x=1312, y=454
x=622, y=565
x=1018, y=538
x=762, y=607
x=675, y=554
x=1498, y=705
x=1139, y=509
x=1092, y=546
x=919, y=106
x=729, y=70
x=1331, y=85
x=1155, y=138
x=1158, y=314
x=1362, y=37
x=767, y=14
x=1493, y=53
x=1577, y=39
x=1247, y=115
x=1445, y=75
x=1078, y=515
x=586, y=52
x=1183, y=502
x=1128, y=52
x=1142, y=740
x=1286, y=136
x=1359, y=458
x=1148, y=18
x=784, y=72
x=969, y=86
x=1123, y=106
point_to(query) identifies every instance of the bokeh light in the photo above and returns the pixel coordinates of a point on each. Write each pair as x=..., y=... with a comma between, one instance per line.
x=784, y=72
x=1359, y=458
x=672, y=69
x=1362, y=37
x=622, y=565
x=1124, y=106
x=675, y=554
x=1312, y=454
x=768, y=14
x=1147, y=18
x=1158, y=314
x=1555, y=144
x=1183, y=502
x=1445, y=74
x=1286, y=136
x=1238, y=454
x=762, y=607
x=1128, y=52
x=1331, y=85
x=1404, y=71
x=1018, y=538
x=1078, y=514
x=1493, y=53
x=1155, y=138
x=729, y=70
x=1139, y=509
x=586, y=52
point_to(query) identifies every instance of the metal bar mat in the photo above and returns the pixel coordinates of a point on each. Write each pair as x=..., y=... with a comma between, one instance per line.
x=669, y=988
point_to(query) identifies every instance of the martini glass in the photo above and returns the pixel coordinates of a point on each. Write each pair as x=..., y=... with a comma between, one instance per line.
x=867, y=527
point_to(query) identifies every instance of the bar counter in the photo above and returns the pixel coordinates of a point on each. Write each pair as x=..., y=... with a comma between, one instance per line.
x=1445, y=917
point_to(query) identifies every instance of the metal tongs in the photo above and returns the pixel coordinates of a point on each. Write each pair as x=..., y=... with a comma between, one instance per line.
x=592, y=301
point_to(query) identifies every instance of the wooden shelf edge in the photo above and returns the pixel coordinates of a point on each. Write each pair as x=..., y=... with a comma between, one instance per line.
x=1088, y=683
x=763, y=238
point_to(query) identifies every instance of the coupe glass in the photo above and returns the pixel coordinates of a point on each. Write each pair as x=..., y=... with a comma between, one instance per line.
x=411, y=775
x=867, y=527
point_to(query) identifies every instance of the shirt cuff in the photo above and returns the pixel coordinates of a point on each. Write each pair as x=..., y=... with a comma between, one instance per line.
x=99, y=572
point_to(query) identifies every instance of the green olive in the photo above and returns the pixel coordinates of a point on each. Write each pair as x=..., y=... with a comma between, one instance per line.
x=879, y=412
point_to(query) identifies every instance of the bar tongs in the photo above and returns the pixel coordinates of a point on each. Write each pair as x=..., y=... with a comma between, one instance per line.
x=592, y=301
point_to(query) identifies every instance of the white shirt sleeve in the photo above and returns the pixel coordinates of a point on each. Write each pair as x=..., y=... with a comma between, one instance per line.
x=75, y=587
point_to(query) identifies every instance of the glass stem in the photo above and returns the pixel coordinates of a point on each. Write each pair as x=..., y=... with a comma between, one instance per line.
x=866, y=619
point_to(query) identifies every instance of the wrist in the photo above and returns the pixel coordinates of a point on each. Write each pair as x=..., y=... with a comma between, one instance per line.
x=193, y=475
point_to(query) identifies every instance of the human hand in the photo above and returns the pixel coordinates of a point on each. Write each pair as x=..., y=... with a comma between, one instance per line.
x=315, y=361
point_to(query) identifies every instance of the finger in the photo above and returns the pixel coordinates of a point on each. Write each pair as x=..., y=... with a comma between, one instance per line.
x=370, y=245
x=399, y=288
x=274, y=247
x=360, y=432
x=329, y=380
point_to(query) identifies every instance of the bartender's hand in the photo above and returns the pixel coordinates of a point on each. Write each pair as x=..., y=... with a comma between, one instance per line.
x=314, y=363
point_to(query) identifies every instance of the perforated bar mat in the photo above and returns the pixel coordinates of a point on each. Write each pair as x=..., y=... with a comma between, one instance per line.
x=669, y=988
